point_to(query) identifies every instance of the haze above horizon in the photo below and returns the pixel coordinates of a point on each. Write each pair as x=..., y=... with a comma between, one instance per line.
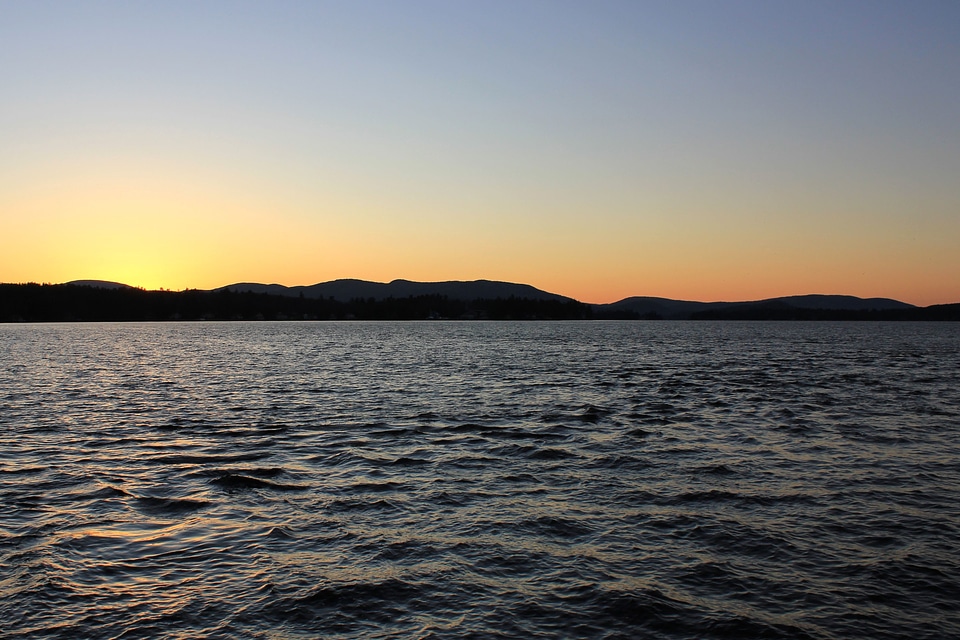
x=690, y=150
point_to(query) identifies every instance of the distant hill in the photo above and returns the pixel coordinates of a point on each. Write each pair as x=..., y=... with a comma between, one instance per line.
x=845, y=303
x=799, y=307
x=97, y=301
x=346, y=290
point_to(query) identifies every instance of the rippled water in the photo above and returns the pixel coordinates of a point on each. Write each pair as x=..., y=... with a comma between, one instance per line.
x=487, y=480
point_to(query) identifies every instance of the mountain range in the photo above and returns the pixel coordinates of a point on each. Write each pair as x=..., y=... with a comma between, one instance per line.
x=346, y=290
x=646, y=307
x=634, y=307
x=351, y=299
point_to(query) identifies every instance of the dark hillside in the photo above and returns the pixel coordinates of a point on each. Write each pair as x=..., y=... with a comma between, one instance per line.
x=70, y=303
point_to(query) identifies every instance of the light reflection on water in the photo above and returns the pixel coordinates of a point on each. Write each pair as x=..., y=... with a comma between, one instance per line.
x=612, y=480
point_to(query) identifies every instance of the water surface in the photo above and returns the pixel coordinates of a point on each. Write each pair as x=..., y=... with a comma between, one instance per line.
x=494, y=480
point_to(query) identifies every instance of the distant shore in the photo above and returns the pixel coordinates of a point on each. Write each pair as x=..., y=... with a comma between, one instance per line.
x=86, y=303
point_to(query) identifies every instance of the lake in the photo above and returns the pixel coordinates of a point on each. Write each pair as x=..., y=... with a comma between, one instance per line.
x=480, y=480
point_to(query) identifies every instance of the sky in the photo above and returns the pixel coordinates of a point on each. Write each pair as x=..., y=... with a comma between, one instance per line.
x=698, y=150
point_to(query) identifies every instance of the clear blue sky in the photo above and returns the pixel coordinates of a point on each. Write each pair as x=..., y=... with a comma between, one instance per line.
x=707, y=150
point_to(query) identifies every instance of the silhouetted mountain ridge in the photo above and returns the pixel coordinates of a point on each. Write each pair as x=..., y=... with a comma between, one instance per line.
x=100, y=284
x=348, y=299
x=665, y=308
x=348, y=289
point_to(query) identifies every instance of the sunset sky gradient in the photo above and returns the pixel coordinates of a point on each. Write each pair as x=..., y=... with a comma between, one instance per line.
x=703, y=150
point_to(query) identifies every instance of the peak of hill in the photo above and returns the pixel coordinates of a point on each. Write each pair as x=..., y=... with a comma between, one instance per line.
x=841, y=303
x=99, y=284
x=348, y=289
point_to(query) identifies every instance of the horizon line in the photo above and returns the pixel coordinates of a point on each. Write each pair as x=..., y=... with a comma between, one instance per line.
x=93, y=281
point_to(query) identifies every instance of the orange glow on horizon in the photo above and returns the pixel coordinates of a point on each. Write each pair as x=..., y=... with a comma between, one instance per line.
x=173, y=231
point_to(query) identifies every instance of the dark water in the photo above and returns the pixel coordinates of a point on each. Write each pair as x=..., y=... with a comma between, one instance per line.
x=485, y=480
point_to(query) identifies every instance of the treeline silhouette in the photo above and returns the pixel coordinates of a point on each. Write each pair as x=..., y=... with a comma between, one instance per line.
x=73, y=303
